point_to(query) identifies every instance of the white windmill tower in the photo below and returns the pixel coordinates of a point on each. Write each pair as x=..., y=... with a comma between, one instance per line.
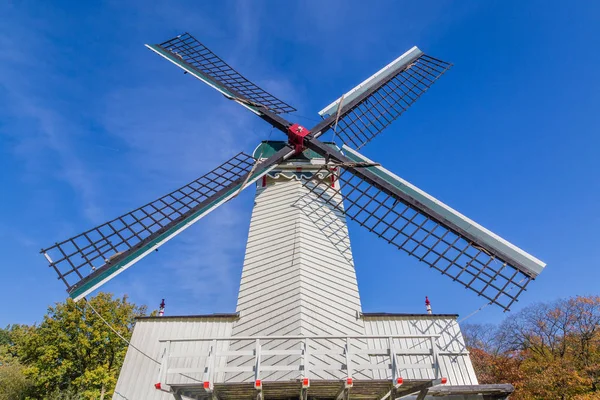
x=299, y=330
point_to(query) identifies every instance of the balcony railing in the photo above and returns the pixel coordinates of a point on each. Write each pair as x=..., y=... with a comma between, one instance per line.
x=205, y=362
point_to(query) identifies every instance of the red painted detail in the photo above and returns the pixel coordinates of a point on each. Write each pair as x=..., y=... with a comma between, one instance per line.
x=349, y=382
x=296, y=134
x=427, y=303
x=298, y=169
x=258, y=384
x=264, y=181
x=444, y=381
x=206, y=385
x=399, y=381
x=305, y=382
x=157, y=386
x=332, y=177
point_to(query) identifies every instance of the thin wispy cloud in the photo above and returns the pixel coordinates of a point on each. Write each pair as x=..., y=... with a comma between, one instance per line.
x=47, y=131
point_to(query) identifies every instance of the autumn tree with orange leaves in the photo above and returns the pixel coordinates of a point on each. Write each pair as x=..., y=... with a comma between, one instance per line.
x=547, y=351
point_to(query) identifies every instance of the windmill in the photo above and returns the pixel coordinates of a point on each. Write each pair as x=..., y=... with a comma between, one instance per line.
x=338, y=179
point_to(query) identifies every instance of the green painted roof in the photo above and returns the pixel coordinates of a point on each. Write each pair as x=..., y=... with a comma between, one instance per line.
x=267, y=148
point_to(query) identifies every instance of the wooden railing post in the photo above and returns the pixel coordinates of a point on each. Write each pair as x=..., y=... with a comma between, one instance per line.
x=348, y=358
x=209, y=372
x=257, y=361
x=305, y=359
x=393, y=361
x=436, y=360
x=165, y=363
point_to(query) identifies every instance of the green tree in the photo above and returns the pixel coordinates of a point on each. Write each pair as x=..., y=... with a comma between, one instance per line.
x=14, y=384
x=74, y=351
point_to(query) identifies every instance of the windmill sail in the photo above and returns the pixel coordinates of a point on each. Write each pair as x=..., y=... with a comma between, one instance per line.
x=434, y=233
x=88, y=260
x=371, y=106
x=192, y=56
x=395, y=210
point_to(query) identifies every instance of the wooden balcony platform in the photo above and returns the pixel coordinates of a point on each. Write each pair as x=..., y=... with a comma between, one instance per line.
x=334, y=390
x=280, y=390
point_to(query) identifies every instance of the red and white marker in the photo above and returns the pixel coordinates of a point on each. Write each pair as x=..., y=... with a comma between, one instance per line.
x=161, y=310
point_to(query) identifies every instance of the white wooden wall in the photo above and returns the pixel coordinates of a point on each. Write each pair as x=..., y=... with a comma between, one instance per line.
x=139, y=372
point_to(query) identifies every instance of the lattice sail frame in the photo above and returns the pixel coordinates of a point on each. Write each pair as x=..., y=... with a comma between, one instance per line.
x=189, y=50
x=360, y=123
x=105, y=247
x=420, y=235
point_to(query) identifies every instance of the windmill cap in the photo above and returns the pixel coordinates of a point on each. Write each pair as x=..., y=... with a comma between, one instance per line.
x=268, y=148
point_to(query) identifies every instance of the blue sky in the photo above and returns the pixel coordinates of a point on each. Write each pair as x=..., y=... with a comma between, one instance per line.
x=92, y=124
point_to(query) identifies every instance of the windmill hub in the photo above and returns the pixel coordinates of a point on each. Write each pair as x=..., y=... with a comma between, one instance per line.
x=296, y=134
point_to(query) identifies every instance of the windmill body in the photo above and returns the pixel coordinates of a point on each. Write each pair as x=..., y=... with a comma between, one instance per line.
x=298, y=276
x=299, y=330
